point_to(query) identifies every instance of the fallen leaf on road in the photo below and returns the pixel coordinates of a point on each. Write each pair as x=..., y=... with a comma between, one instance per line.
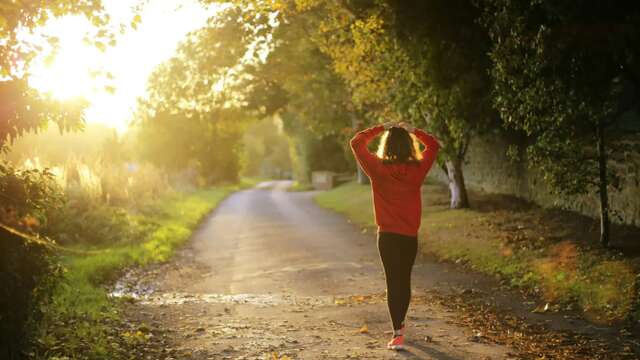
x=364, y=329
x=274, y=356
x=541, y=309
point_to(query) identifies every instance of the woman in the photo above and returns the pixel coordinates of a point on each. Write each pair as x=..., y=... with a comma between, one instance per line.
x=396, y=174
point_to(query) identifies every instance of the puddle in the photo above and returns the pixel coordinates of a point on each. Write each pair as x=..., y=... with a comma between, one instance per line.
x=261, y=300
x=130, y=286
x=145, y=293
x=140, y=285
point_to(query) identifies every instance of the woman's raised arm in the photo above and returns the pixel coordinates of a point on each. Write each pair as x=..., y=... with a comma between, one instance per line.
x=431, y=147
x=359, y=142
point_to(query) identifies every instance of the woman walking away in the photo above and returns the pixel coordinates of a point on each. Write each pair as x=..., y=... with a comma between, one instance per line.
x=396, y=173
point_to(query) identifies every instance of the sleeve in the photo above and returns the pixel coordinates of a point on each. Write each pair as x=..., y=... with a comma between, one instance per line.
x=359, y=142
x=431, y=147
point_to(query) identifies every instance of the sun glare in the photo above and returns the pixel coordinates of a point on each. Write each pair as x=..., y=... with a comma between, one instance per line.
x=113, y=79
x=67, y=74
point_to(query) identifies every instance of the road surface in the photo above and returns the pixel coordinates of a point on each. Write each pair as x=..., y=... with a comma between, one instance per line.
x=270, y=275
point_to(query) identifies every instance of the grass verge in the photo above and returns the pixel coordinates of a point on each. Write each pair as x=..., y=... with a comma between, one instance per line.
x=523, y=245
x=297, y=186
x=82, y=321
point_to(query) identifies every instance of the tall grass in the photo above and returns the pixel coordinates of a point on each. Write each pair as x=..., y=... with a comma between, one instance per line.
x=81, y=298
x=102, y=182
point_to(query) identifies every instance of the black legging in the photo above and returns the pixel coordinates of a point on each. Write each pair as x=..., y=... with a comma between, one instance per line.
x=398, y=253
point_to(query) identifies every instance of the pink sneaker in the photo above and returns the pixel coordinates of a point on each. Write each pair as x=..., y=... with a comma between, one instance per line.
x=397, y=343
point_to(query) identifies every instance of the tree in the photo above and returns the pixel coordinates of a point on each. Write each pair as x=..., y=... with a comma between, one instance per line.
x=266, y=150
x=422, y=61
x=565, y=73
x=297, y=82
x=449, y=51
x=21, y=108
x=191, y=117
x=206, y=142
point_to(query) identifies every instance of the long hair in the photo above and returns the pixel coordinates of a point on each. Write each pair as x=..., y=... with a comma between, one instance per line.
x=398, y=146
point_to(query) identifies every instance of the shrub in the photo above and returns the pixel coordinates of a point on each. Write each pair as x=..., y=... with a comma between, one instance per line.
x=27, y=195
x=28, y=274
x=93, y=224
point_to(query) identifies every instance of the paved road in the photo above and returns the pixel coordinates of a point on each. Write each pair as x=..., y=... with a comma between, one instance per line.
x=267, y=240
x=270, y=274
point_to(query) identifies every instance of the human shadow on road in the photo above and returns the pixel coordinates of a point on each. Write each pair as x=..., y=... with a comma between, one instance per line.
x=423, y=352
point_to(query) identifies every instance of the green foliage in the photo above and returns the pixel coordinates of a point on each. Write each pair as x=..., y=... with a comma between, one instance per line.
x=565, y=74
x=27, y=196
x=411, y=60
x=297, y=79
x=562, y=71
x=66, y=205
x=93, y=225
x=311, y=152
x=27, y=277
x=21, y=15
x=208, y=143
x=416, y=61
x=23, y=109
x=191, y=118
x=204, y=74
x=265, y=150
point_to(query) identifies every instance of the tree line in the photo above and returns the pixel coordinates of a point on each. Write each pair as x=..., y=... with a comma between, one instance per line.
x=557, y=78
x=560, y=79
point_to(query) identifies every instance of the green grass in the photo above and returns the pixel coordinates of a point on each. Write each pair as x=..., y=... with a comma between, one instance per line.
x=297, y=186
x=352, y=200
x=79, y=321
x=602, y=286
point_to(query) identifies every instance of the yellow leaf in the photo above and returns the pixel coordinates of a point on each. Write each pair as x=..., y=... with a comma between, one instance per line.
x=364, y=329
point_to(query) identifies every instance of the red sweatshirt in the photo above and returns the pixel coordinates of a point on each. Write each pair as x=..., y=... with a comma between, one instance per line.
x=397, y=199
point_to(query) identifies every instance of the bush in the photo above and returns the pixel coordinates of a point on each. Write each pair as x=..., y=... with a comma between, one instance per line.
x=28, y=274
x=27, y=196
x=93, y=224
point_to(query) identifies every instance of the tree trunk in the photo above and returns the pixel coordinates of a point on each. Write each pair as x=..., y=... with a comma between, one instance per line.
x=457, y=189
x=602, y=188
x=361, y=177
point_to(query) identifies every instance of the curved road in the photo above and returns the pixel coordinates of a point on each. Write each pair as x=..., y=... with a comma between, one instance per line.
x=266, y=239
x=270, y=274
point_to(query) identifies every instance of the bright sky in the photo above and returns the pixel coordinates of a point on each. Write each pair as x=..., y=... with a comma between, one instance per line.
x=131, y=61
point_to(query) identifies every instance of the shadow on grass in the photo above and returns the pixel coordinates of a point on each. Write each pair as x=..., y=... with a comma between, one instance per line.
x=509, y=211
